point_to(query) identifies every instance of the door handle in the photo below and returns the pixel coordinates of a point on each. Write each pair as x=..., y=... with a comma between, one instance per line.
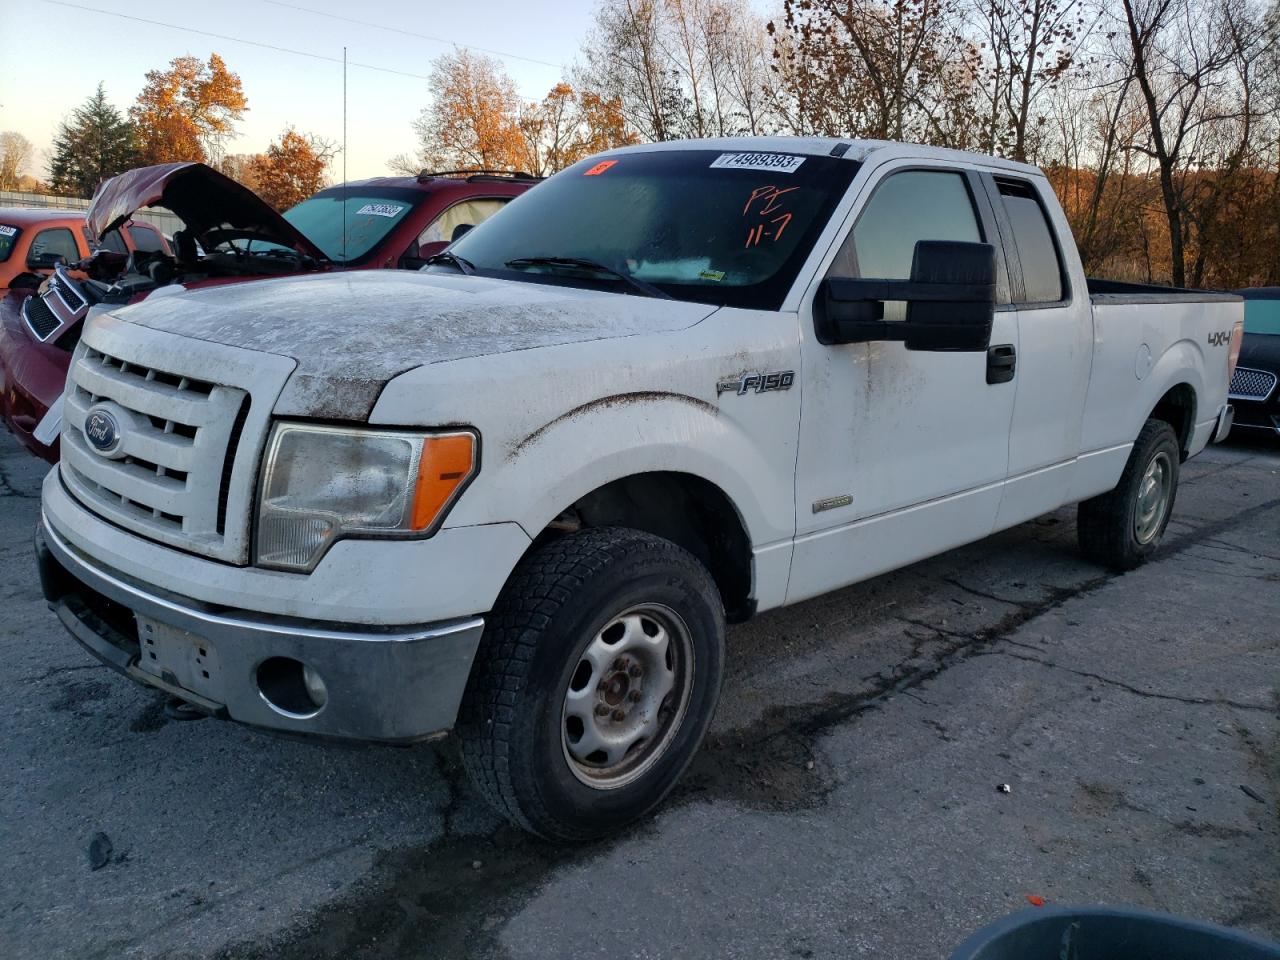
x=1002, y=362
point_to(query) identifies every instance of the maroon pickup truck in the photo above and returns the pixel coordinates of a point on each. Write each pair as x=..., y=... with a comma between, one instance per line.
x=231, y=235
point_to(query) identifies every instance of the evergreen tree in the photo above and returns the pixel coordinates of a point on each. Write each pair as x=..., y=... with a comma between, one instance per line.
x=94, y=143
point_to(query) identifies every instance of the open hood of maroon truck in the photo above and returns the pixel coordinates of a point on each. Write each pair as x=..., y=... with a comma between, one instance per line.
x=205, y=200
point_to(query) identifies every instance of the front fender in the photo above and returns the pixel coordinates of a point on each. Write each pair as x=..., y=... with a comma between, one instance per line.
x=557, y=423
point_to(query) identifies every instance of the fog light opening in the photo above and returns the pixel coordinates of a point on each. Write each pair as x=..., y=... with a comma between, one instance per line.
x=291, y=688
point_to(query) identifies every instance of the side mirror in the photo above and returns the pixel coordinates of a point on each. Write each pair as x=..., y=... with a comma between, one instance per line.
x=44, y=261
x=950, y=301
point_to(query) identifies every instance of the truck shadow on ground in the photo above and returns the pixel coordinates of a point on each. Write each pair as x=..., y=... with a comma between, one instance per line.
x=451, y=897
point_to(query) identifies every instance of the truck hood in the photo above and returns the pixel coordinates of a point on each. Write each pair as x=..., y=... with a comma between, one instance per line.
x=352, y=332
x=205, y=200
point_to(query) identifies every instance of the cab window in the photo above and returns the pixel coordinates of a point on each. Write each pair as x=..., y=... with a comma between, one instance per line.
x=907, y=207
x=55, y=240
x=469, y=213
x=114, y=242
x=1033, y=239
x=145, y=240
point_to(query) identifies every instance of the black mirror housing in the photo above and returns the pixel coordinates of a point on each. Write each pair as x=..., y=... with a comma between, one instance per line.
x=44, y=261
x=950, y=301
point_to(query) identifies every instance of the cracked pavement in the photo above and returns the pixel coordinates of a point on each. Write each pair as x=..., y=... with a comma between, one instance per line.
x=845, y=804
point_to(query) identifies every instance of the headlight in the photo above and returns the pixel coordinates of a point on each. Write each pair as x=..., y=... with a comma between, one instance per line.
x=324, y=483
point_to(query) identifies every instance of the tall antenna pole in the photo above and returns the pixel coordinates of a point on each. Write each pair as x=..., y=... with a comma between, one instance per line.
x=344, y=155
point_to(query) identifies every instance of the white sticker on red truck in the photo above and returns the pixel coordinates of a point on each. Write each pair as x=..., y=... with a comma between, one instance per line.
x=380, y=209
x=775, y=162
x=7, y=231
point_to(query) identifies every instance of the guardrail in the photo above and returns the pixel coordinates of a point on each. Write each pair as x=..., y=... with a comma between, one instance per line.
x=166, y=220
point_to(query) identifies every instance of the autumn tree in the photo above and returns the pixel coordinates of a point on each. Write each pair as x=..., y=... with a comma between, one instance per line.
x=681, y=68
x=94, y=143
x=188, y=111
x=568, y=126
x=1192, y=62
x=887, y=69
x=1028, y=46
x=240, y=168
x=292, y=169
x=15, y=154
x=473, y=120
x=478, y=121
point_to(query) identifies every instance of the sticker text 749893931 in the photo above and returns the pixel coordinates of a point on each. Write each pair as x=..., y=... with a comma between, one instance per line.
x=774, y=162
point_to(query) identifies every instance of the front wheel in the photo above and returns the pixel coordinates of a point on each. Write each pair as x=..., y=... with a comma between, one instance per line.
x=595, y=682
x=1123, y=527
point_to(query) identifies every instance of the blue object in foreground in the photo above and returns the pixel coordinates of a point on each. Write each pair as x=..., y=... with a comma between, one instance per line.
x=1109, y=933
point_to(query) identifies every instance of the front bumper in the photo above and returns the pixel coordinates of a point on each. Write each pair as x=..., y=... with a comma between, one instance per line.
x=391, y=684
x=32, y=377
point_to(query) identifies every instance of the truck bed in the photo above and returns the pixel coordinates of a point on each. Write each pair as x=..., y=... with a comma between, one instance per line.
x=1119, y=291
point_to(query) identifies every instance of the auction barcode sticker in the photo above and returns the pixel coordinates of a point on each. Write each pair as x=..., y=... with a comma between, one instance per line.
x=777, y=162
x=7, y=231
x=380, y=209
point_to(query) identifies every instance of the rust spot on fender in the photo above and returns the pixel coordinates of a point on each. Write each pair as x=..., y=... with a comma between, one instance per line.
x=605, y=403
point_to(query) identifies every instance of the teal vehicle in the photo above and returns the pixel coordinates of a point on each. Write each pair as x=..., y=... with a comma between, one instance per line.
x=1254, y=392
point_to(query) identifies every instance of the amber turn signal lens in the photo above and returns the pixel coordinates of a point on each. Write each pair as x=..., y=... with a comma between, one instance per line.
x=447, y=463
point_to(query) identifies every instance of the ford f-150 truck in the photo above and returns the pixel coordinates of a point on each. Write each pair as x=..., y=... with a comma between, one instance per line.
x=519, y=494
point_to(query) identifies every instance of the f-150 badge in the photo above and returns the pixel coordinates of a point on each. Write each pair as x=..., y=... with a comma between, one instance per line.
x=757, y=382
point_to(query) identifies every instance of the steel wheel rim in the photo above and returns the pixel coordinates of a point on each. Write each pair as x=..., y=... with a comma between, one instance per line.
x=1153, y=497
x=627, y=696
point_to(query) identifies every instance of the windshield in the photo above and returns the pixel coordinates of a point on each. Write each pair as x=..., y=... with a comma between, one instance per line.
x=371, y=214
x=8, y=239
x=1262, y=316
x=705, y=225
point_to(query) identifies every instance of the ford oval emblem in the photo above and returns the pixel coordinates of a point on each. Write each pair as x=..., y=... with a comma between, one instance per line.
x=102, y=431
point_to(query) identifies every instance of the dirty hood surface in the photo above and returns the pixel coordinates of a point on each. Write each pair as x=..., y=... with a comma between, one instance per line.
x=202, y=197
x=351, y=332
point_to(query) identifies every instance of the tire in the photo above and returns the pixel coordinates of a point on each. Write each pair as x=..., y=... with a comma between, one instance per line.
x=1119, y=529
x=547, y=665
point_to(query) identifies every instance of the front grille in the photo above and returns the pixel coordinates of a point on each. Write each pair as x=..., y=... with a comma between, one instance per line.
x=165, y=482
x=39, y=317
x=1249, y=384
x=67, y=291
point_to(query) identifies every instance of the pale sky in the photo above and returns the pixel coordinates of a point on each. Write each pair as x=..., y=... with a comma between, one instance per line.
x=52, y=56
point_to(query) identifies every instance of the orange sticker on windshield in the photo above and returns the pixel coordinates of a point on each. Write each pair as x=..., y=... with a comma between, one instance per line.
x=600, y=168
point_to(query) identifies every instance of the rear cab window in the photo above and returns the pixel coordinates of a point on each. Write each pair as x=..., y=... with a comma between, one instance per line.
x=114, y=242
x=144, y=239
x=8, y=240
x=1033, y=238
x=468, y=213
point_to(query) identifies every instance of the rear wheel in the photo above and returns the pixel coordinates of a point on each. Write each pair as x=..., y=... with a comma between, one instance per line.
x=594, y=684
x=1123, y=527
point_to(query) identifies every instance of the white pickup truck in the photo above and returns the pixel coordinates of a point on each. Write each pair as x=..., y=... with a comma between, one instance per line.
x=520, y=493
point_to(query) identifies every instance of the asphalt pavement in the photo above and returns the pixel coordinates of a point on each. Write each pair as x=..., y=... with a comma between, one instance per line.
x=848, y=802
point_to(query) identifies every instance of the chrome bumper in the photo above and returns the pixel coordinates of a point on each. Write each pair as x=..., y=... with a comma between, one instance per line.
x=393, y=685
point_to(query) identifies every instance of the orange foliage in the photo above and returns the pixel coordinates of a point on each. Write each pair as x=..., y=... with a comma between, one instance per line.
x=186, y=112
x=291, y=170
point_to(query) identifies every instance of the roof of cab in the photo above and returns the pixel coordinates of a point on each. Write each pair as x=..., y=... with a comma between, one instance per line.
x=34, y=216
x=859, y=150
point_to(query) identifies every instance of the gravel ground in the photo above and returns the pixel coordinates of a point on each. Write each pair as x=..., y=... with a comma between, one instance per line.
x=846, y=804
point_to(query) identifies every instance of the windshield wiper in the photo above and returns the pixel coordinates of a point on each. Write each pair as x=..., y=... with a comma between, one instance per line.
x=465, y=266
x=582, y=263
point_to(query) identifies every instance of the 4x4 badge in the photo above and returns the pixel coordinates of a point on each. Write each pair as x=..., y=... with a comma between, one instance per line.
x=757, y=382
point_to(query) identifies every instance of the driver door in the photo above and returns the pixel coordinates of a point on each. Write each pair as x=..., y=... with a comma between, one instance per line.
x=903, y=453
